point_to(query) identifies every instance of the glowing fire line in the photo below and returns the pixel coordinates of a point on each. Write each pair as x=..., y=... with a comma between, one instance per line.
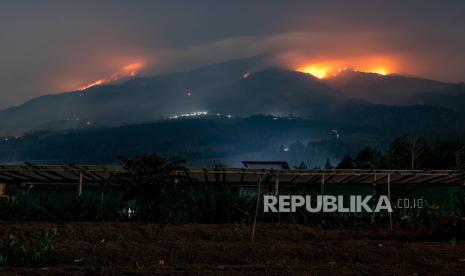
x=322, y=71
x=129, y=70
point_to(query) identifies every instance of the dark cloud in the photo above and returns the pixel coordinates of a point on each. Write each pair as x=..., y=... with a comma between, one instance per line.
x=51, y=46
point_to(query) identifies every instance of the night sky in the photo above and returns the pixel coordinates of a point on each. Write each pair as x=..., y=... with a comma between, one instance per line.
x=53, y=46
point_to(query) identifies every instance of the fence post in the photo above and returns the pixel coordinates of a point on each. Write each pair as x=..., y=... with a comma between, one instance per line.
x=80, y=184
x=389, y=198
x=322, y=184
x=256, y=208
x=322, y=189
x=2, y=189
x=276, y=184
x=375, y=179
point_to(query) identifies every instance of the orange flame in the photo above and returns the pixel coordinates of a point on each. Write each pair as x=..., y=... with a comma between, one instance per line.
x=332, y=68
x=129, y=70
x=318, y=70
x=322, y=71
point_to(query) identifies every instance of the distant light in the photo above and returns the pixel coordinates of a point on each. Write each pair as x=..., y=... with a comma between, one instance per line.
x=88, y=123
x=246, y=75
x=193, y=114
x=229, y=116
x=286, y=149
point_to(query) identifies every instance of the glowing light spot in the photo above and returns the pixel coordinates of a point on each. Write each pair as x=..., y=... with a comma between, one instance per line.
x=246, y=75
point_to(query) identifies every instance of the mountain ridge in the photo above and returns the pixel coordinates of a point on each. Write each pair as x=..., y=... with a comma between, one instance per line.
x=241, y=87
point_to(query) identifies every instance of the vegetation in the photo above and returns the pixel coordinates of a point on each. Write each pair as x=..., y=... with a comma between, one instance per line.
x=153, y=193
x=409, y=153
x=40, y=250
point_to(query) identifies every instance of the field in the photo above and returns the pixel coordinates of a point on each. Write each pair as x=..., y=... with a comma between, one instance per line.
x=226, y=249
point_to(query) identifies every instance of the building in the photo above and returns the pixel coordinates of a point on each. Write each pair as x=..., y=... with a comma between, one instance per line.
x=275, y=165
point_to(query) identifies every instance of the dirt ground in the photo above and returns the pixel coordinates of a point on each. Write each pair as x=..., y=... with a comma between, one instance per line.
x=121, y=248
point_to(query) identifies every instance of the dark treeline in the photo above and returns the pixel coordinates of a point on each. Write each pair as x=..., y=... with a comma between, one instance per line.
x=409, y=153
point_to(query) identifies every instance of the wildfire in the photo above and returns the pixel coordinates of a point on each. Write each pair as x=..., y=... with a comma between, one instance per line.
x=92, y=84
x=318, y=70
x=331, y=68
x=129, y=70
x=380, y=70
x=322, y=71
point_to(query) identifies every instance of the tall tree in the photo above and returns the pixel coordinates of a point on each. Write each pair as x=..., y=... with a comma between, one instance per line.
x=346, y=163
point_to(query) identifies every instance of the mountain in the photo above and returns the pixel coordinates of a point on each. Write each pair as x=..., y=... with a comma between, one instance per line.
x=242, y=87
x=212, y=140
x=144, y=114
x=382, y=89
x=451, y=96
x=217, y=88
x=202, y=141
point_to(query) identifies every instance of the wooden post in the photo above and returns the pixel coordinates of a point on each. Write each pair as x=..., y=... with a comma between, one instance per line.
x=389, y=198
x=322, y=184
x=2, y=189
x=80, y=184
x=375, y=179
x=322, y=189
x=276, y=184
x=256, y=208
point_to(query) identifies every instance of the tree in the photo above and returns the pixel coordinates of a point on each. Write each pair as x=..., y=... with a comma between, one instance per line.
x=417, y=148
x=150, y=185
x=460, y=159
x=301, y=166
x=399, y=154
x=346, y=163
x=407, y=152
x=369, y=158
x=328, y=165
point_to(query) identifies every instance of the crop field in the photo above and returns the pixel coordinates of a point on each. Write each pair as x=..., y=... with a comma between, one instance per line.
x=150, y=220
x=226, y=249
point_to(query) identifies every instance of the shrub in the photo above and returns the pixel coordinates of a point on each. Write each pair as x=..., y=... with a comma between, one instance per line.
x=40, y=250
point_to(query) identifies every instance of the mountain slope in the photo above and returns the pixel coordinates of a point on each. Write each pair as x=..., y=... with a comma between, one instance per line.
x=239, y=87
x=451, y=96
x=389, y=89
x=219, y=88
